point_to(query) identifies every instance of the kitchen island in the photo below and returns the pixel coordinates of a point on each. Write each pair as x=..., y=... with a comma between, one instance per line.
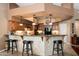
x=42, y=45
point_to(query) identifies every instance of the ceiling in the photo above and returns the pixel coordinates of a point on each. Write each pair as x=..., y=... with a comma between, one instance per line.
x=46, y=5
x=76, y=5
x=24, y=4
x=27, y=4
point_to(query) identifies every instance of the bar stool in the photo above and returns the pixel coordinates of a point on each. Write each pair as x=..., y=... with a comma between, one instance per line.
x=11, y=44
x=28, y=44
x=57, y=46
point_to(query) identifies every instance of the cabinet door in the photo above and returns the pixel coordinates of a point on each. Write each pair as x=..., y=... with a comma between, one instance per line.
x=12, y=25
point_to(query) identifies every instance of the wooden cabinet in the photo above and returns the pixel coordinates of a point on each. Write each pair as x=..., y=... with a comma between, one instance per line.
x=75, y=40
x=41, y=26
x=75, y=44
x=13, y=26
x=55, y=26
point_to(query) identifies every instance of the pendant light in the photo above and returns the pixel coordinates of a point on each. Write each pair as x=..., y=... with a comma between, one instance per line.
x=21, y=18
x=50, y=17
x=34, y=17
x=21, y=24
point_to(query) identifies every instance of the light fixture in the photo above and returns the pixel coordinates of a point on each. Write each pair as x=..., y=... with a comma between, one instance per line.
x=34, y=20
x=21, y=18
x=55, y=32
x=21, y=24
x=50, y=23
x=40, y=31
x=33, y=23
x=50, y=16
x=19, y=32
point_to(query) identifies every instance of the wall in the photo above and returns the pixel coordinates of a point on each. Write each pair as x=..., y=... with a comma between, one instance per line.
x=67, y=40
x=65, y=28
x=76, y=27
x=3, y=23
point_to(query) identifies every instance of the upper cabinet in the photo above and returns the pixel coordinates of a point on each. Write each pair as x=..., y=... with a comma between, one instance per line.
x=19, y=24
x=13, y=26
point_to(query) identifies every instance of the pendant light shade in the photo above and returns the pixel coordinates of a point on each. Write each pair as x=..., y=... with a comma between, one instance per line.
x=21, y=18
x=21, y=24
x=34, y=17
x=50, y=23
x=33, y=23
x=50, y=17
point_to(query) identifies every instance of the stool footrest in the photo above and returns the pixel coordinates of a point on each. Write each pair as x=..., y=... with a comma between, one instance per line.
x=27, y=43
x=57, y=46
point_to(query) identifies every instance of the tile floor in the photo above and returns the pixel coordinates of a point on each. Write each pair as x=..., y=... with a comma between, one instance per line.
x=68, y=51
x=4, y=53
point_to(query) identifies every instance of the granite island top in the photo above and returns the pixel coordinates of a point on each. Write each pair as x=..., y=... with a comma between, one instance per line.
x=41, y=35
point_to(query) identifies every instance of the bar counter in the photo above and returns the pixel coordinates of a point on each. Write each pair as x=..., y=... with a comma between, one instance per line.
x=42, y=45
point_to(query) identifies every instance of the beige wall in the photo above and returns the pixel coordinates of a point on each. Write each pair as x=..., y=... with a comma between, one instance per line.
x=3, y=23
x=67, y=40
x=76, y=27
x=66, y=29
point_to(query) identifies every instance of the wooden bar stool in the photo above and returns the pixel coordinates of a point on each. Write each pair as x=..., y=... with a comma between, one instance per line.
x=11, y=44
x=57, y=46
x=28, y=44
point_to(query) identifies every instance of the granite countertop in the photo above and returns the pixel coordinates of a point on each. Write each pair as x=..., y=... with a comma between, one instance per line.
x=41, y=35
